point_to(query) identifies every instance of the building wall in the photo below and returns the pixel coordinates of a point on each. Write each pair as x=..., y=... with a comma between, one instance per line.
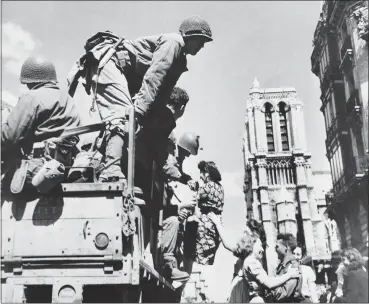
x=322, y=183
x=196, y=284
x=278, y=176
x=340, y=60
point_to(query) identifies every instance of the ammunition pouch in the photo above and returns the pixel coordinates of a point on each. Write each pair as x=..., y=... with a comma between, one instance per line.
x=26, y=169
x=24, y=173
x=123, y=60
x=50, y=174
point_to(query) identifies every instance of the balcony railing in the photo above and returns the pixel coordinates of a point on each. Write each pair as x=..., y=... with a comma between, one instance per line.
x=352, y=102
x=332, y=72
x=337, y=128
x=361, y=164
x=347, y=62
x=358, y=166
x=339, y=184
x=337, y=10
x=332, y=130
x=353, y=107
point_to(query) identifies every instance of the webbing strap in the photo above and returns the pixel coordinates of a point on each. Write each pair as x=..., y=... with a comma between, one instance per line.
x=111, y=51
x=83, y=130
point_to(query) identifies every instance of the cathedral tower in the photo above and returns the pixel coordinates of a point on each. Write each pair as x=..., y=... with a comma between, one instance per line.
x=278, y=172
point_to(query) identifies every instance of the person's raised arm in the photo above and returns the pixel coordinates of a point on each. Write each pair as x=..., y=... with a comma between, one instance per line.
x=274, y=282
x=286, y=290
x=227, y=243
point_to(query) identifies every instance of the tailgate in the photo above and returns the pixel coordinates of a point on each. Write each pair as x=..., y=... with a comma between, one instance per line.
x=67, y=226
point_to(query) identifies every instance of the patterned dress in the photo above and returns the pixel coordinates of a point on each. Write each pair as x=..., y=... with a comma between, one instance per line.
x=211, y=199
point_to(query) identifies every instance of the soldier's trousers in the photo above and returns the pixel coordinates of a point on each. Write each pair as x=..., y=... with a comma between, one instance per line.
x=168, y=244
x=113, y=97
x=113, y=101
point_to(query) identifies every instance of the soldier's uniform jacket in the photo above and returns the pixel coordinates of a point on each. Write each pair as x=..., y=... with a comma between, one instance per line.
x=289, y=292
x=152, y=67
x=158, y=63
x=174, y=176
x=39, y=114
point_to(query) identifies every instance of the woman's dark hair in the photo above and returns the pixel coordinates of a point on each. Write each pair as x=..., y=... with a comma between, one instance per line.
x=211, y=169
x=355, y=258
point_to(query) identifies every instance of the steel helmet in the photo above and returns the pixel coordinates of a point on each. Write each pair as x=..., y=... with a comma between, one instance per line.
x=38, y=69
x=190, y=142
x=195, y=26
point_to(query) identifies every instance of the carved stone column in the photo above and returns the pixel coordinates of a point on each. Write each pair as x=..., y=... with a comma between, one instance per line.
x=304, y=204
x=277, y=131
x=260, y=131
x=271, y=256
x=309, y=171
x=251, y=120
x=256, y=202
x=298, y=129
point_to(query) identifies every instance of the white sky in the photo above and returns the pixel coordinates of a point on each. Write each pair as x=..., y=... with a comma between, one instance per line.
x=268, y=40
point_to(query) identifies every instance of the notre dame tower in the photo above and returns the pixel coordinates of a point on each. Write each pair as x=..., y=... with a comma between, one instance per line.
x=278, y=175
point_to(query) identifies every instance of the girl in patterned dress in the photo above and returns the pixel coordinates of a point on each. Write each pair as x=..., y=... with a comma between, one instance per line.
x=210, y=199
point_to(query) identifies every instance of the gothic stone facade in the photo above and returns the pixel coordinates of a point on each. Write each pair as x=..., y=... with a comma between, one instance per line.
x=340, y=60
x=278, y=175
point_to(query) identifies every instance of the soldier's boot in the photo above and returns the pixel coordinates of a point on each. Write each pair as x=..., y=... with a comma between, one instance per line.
x=114, y=149
x=171, y=270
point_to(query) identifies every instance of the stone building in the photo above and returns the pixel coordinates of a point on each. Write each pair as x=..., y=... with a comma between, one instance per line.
x=322, y=184
x=196, y=288
x=340, y=60
x=278, y=175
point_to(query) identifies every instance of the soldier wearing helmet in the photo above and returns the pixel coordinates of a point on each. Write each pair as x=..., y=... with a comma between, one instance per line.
x=40, y=113
x=175, y=213
x=142, y=73
x=188, y=144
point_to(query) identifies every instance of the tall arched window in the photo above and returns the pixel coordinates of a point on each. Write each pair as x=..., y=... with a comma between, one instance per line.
x=269, y=127
x=283, y=126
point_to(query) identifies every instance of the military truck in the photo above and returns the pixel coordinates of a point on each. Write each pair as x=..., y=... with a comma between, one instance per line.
x=72, y=245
